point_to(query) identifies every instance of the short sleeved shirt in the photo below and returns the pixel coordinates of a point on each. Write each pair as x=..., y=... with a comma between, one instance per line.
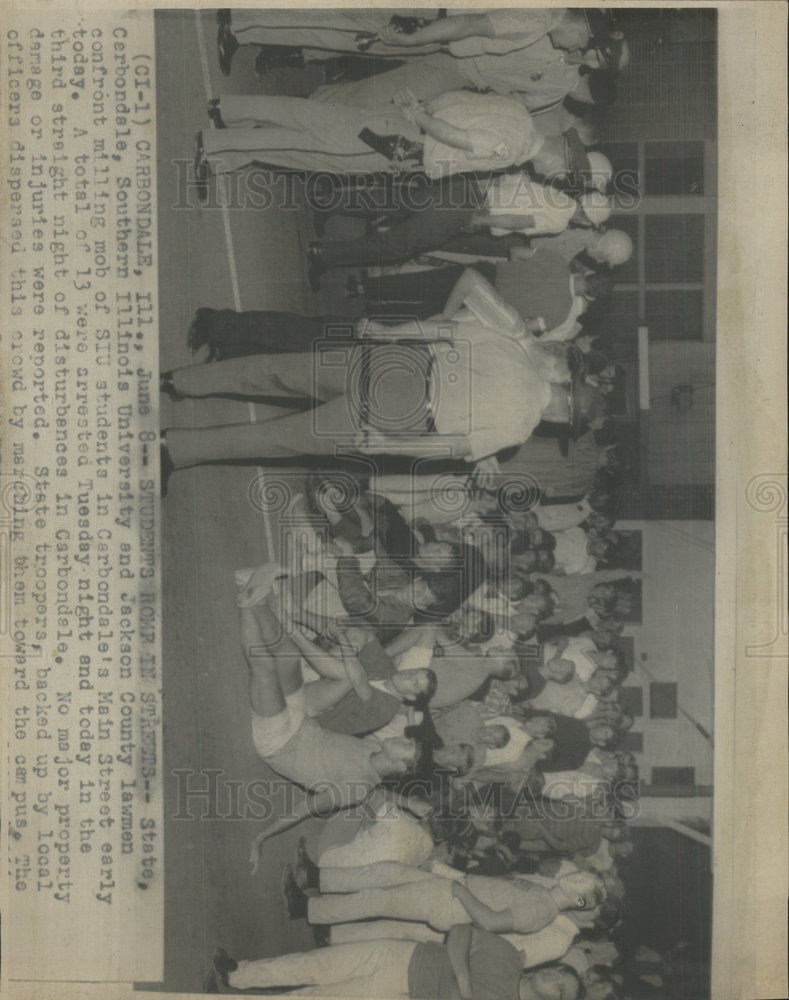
x=513, y=30
x=494, y=968
x=519, y=740
x=352, y=716
x=516, y=194
x=538, y=72
x=531, y=905
x=547, y=945
x=316, y=759
x=570, y=552
x=500, y=129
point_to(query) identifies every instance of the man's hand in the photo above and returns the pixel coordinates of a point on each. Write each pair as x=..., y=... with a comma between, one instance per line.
x=342, y=546
x=369, y=329
x=408, y=105
x=485, y=472
x=389, y=35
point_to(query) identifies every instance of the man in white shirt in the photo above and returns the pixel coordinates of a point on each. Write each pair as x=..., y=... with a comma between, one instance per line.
x=480, y=381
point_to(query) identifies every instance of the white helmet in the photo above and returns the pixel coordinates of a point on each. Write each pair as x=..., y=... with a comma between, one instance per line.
x=596, y=206
x=615, y=247
x=600, y=172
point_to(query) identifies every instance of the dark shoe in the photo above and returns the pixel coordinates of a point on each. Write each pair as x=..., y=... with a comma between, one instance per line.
x=223, y=966
x=200, y=330
x=316, y=268
x=201, y=168
x=295, y=899
x=166, y=384
x=227, y=45
x=166, y=467
x=320, y=219
x=215, y=114
x=321, y=934
x=277, y=57
x=305, y=871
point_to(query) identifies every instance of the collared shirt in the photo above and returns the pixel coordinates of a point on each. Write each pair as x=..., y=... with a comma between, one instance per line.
x=487, y=385
x=512, y=30
x=500, y=129
x=546, y=945
x=539, y=72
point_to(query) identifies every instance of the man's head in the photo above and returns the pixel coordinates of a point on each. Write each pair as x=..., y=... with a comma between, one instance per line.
x=550, y=982
x=540, y=726
x=600, y=684
x=439, y=593
x=600, y=984
x=572, y=31
x=602, y=735
x=614, y=247
x=495, y=737
x=595, y=208
x=458, y=758
x=437, y=555
x=598, y=285
x=402, y=755
x=522, y=623
x=415, y=685
x=559, y=670
x=541, y=539
x=605, y=639
x=582, y=890
x=541, y=748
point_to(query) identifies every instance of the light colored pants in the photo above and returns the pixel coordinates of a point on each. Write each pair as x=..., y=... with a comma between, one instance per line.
x=366, y=969
x=393, y=837
x=379, y=930
x=323, y=32
x=386, y=889
x=336, y=378
x=299, y=134
x=427, y=78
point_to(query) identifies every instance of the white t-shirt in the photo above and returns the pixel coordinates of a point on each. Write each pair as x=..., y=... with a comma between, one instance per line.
x=519, y=739
x=577, y=651
x=561, y=516
x=516, y=194
x=547, y=945
x=570, y=552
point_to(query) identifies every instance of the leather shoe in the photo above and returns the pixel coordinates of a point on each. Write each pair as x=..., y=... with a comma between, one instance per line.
x=201, y=168
x=277, y=57
x=305, y=871
x=166, y=467
x=316, y=268
x=227, y=45
x=167, y=384
x=215, y=114
x=223, y=966
x=295, y=899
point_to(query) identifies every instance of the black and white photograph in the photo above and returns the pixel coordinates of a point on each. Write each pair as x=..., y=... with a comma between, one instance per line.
x=394, y=501
x=437, y=294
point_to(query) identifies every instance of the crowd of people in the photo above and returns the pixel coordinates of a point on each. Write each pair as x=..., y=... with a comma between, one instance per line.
x=437, y=660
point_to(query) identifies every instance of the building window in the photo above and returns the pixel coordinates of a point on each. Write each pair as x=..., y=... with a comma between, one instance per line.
x=662, y=701
x=634, y=742
x=631, y=701
x=664, y=194
x=674, y=776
